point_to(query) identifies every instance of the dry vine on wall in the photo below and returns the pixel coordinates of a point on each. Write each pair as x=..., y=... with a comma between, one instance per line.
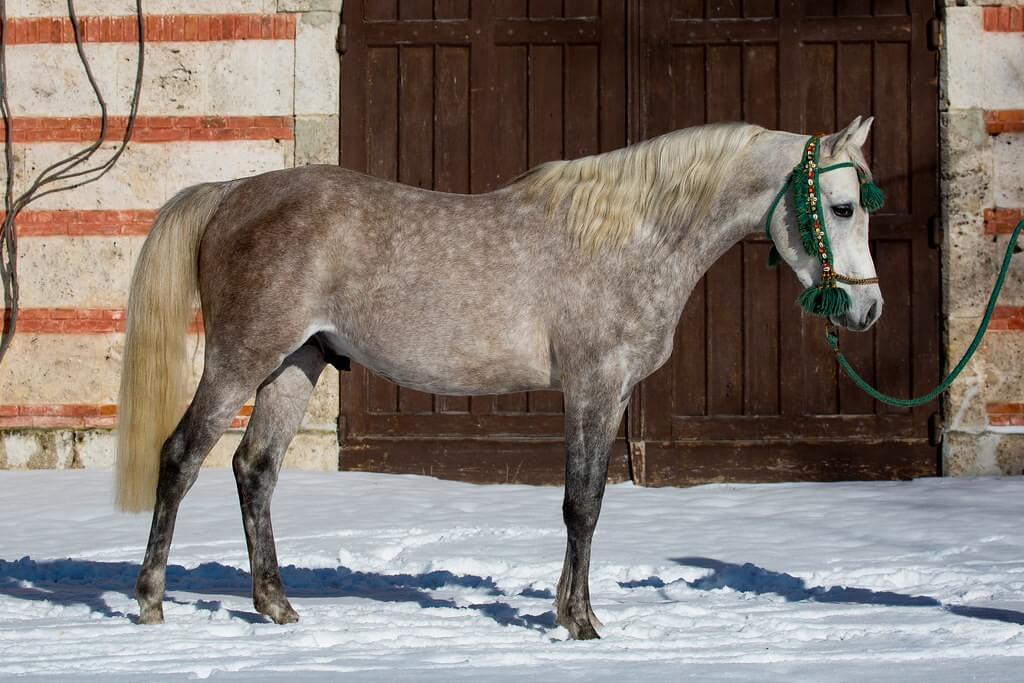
x=68, y=173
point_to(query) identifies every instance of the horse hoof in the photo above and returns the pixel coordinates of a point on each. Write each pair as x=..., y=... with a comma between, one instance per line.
x=279, y=613
x=581, y=629
x=153, y=614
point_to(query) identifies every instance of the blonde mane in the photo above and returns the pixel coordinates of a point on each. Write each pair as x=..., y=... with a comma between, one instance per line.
x=666, y=182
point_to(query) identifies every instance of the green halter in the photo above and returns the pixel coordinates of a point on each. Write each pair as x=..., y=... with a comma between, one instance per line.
x=825, y=298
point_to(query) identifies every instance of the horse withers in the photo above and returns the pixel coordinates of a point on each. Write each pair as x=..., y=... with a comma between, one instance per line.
x=572, y=277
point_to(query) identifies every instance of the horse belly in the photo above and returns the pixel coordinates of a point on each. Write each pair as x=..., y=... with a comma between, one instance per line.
x=472, y=366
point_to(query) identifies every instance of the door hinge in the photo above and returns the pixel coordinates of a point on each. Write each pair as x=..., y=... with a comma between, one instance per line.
x=638, y=462
x=341, y=40
x=936, y=426
x=342, y=428
x=934, y=30
x=934, y=233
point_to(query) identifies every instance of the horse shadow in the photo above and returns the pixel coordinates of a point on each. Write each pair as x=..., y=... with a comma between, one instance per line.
x=750, y=578
x=84, y=582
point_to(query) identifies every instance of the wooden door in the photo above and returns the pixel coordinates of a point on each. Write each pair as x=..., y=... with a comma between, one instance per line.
x=752, y=392
x=462, y=96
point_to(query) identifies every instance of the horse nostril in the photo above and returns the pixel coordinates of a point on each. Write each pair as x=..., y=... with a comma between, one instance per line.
x=872, y=313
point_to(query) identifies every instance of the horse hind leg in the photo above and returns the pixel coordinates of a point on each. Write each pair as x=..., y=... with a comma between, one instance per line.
x=280, y=405
x=224, y=387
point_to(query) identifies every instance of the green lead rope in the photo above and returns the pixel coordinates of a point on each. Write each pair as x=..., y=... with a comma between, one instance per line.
x=833, y=340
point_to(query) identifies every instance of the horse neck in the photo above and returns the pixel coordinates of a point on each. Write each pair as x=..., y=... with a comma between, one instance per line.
x=741, y=206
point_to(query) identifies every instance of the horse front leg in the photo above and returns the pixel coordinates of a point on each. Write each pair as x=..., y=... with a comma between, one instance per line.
x=280, y=405
x=592, y=418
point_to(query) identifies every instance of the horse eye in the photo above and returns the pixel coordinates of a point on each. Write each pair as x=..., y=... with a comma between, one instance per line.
x=843, y=210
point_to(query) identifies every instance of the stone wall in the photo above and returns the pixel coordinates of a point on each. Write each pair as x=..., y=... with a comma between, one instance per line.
x=982, y=129
x=231, y=88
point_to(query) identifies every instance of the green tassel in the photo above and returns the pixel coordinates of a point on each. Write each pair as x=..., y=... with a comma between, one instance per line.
x=825, y=301
x=774, y=257
x=871, y=197
x=804, y=218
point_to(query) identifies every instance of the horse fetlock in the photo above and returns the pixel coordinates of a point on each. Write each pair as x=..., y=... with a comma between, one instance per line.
x=151, y=611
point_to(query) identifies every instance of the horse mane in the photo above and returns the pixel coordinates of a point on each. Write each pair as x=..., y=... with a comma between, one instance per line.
x=665, y=182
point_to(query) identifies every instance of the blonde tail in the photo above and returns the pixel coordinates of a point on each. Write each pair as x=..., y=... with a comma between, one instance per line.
x=155, y=372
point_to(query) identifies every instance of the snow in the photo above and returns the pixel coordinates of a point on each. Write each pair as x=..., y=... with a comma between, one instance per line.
x=404, y=578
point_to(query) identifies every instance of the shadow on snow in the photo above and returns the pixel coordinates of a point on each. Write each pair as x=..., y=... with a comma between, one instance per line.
x=70, y=581
x=749, y=578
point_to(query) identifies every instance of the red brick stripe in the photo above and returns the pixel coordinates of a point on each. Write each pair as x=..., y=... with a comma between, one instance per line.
x=1002, y=221
x=93, y=223
x=79, y=321
x=1007, y=319
x=152, y=128
x=1005, y=414
x=158, y=28
x=1003, y=19
x=81, y=416
x=1004, y=121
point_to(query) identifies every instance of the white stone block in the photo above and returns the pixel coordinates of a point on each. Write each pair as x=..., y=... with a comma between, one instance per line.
x=240, y=78
x=148, y=174
x=1008, y=155
x=59, y=8
x=317, y=64
x=965, y=85
x=76, y=272
x=1003, y=70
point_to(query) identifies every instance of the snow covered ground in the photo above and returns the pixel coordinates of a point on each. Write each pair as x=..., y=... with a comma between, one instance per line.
x=402, y=578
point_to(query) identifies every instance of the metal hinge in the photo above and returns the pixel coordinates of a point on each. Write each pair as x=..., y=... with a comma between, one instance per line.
x=638, y=462
x=934, y=233
x=936, y=426
x=341, y=41
x=934, y=31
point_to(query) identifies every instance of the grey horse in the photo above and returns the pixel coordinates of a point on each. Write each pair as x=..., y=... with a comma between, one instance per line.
x=572, y=277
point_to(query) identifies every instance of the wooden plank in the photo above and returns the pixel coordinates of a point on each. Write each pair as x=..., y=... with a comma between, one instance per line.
x=724, y=311
x=798, y=428
x=926, y=295
x=380, y=10
x=416, y=146
x=724, y=9
x=892, y=143
x=853, y=98
x=490, y=462
x=451, y=144
x=750, y=462
x=510, y=148
x=694, y=32
x=760, y=85
x=582, y=113
x=506, y=424
x=818, y=96
x=760, y=374
x=756, y=9
x=550, y=32
x=893, y=261
x=416, y=9
x=582, y=8
x=545, y=139
x=451, y=9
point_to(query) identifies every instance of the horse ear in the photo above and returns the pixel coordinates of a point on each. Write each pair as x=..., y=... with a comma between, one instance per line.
x=859, y=136
x=837, y=141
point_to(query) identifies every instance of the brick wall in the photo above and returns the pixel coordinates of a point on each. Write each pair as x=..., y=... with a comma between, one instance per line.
x=231, y=88
x=983, y=198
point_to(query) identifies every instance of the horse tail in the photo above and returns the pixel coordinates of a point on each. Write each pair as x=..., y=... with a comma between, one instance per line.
x=155, y=368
